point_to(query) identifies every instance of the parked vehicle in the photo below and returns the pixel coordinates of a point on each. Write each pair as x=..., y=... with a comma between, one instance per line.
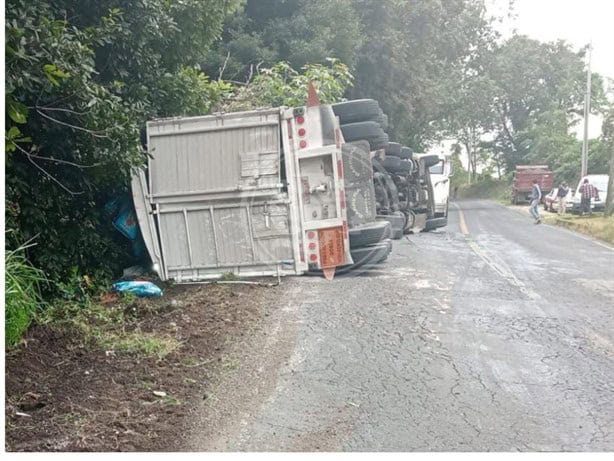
x=600, y=181
x=523, y=182
x=551, y=201
x=255, y=193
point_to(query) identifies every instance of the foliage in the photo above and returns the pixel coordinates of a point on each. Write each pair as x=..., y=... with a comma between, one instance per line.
x=412, y=56
x=295, y=31
x=539, y=96
x=82, y=77
x=281, y=85
x=22, y=294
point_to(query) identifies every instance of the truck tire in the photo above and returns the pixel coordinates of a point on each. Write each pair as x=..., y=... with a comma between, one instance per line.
x=391, y=188
x=357, y=168
x=402, y=168
x=357, y=110
x=361, y=204
x=406, y=153
x=370, y=234
x=397, y=221
x=391, y=163
x=369, y=131
x=385, y=121
x=372, y=254
x=393, y=148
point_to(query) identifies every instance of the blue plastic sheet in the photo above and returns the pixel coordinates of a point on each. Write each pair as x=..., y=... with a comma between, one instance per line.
x=139, y=288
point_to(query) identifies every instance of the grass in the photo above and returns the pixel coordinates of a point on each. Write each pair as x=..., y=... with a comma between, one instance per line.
x=146, y=344
x=110, y=327
x=22, y=294
x=597, y=225
x=229, y=277
x=492, y=189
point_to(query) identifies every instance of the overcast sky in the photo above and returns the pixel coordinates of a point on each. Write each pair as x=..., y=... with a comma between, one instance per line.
x=576, y=21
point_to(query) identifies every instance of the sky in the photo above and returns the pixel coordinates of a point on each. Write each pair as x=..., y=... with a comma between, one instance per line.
x=577, y=21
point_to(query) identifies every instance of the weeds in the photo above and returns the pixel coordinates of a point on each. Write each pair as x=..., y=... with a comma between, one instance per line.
x=109, y=326
x=229, y=277
x=147, y=344
x=596, y=225
x=23, y=293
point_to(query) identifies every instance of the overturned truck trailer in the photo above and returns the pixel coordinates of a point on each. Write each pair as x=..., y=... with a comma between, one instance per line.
x=256, y=193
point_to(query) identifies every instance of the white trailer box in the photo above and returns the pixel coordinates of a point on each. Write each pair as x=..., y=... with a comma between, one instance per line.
x=253, y=193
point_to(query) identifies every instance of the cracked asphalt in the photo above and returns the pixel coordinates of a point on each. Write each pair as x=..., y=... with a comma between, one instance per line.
x=490, y=334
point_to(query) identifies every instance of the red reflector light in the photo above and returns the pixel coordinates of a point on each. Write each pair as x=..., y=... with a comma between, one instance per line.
x=340, y=169
x=313, y=257
x=312, y=246
x=303, y=144
x=311, y=235
x=301, y=132
x=300, y=119
x=342, y=198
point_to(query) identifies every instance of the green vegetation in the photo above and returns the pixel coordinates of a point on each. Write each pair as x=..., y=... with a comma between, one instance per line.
x=112, y=327
x=22, y=294
x=597, y=225
x=489, y=188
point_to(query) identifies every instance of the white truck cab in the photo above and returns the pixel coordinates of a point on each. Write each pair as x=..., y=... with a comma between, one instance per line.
x=440, y=178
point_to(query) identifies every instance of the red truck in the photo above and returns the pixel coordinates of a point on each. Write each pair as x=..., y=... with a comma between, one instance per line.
x=523, y=181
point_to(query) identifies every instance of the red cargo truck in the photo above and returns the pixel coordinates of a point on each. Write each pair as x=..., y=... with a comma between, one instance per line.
x=523, y=182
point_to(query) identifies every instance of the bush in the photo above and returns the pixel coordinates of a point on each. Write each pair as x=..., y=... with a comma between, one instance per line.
x=22, y=295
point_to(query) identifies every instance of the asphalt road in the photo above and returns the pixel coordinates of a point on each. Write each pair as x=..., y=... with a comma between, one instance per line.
x=491, y=334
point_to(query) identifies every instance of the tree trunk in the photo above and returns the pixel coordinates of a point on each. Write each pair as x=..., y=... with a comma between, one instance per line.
x=609, y=201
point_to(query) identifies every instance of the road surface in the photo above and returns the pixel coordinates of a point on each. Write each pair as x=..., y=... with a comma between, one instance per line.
x=491, y=334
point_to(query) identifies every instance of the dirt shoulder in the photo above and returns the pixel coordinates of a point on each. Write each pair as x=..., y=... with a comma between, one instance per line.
x=67, y=394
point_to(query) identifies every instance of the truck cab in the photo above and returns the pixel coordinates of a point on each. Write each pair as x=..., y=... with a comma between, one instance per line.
x=440, y=178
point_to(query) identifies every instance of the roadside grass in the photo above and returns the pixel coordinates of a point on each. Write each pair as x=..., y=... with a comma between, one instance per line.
x=113, y=327
x=597, y=225
x=22, y=294
x=492, y=189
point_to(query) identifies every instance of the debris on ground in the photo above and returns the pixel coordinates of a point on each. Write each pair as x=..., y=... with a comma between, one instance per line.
x=139, y=288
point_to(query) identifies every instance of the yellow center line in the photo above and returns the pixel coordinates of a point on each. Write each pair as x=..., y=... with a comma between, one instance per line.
x=462, y=223
x=501, y=269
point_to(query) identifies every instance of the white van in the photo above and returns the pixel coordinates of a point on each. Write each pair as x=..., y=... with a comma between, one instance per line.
x=600, y=181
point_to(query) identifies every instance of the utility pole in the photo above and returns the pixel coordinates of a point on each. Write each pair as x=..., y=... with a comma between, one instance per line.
x=587, y=111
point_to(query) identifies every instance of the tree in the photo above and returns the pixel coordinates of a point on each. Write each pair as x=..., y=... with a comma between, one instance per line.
x=414, y=52
x=537, y=83
x=298, y=32
x=281, y=85
x=608, y=138
x=82, y=77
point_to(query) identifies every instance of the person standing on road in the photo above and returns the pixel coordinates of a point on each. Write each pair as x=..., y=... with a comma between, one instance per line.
x=562, y=196
x=536, y=196
x=587, y=192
